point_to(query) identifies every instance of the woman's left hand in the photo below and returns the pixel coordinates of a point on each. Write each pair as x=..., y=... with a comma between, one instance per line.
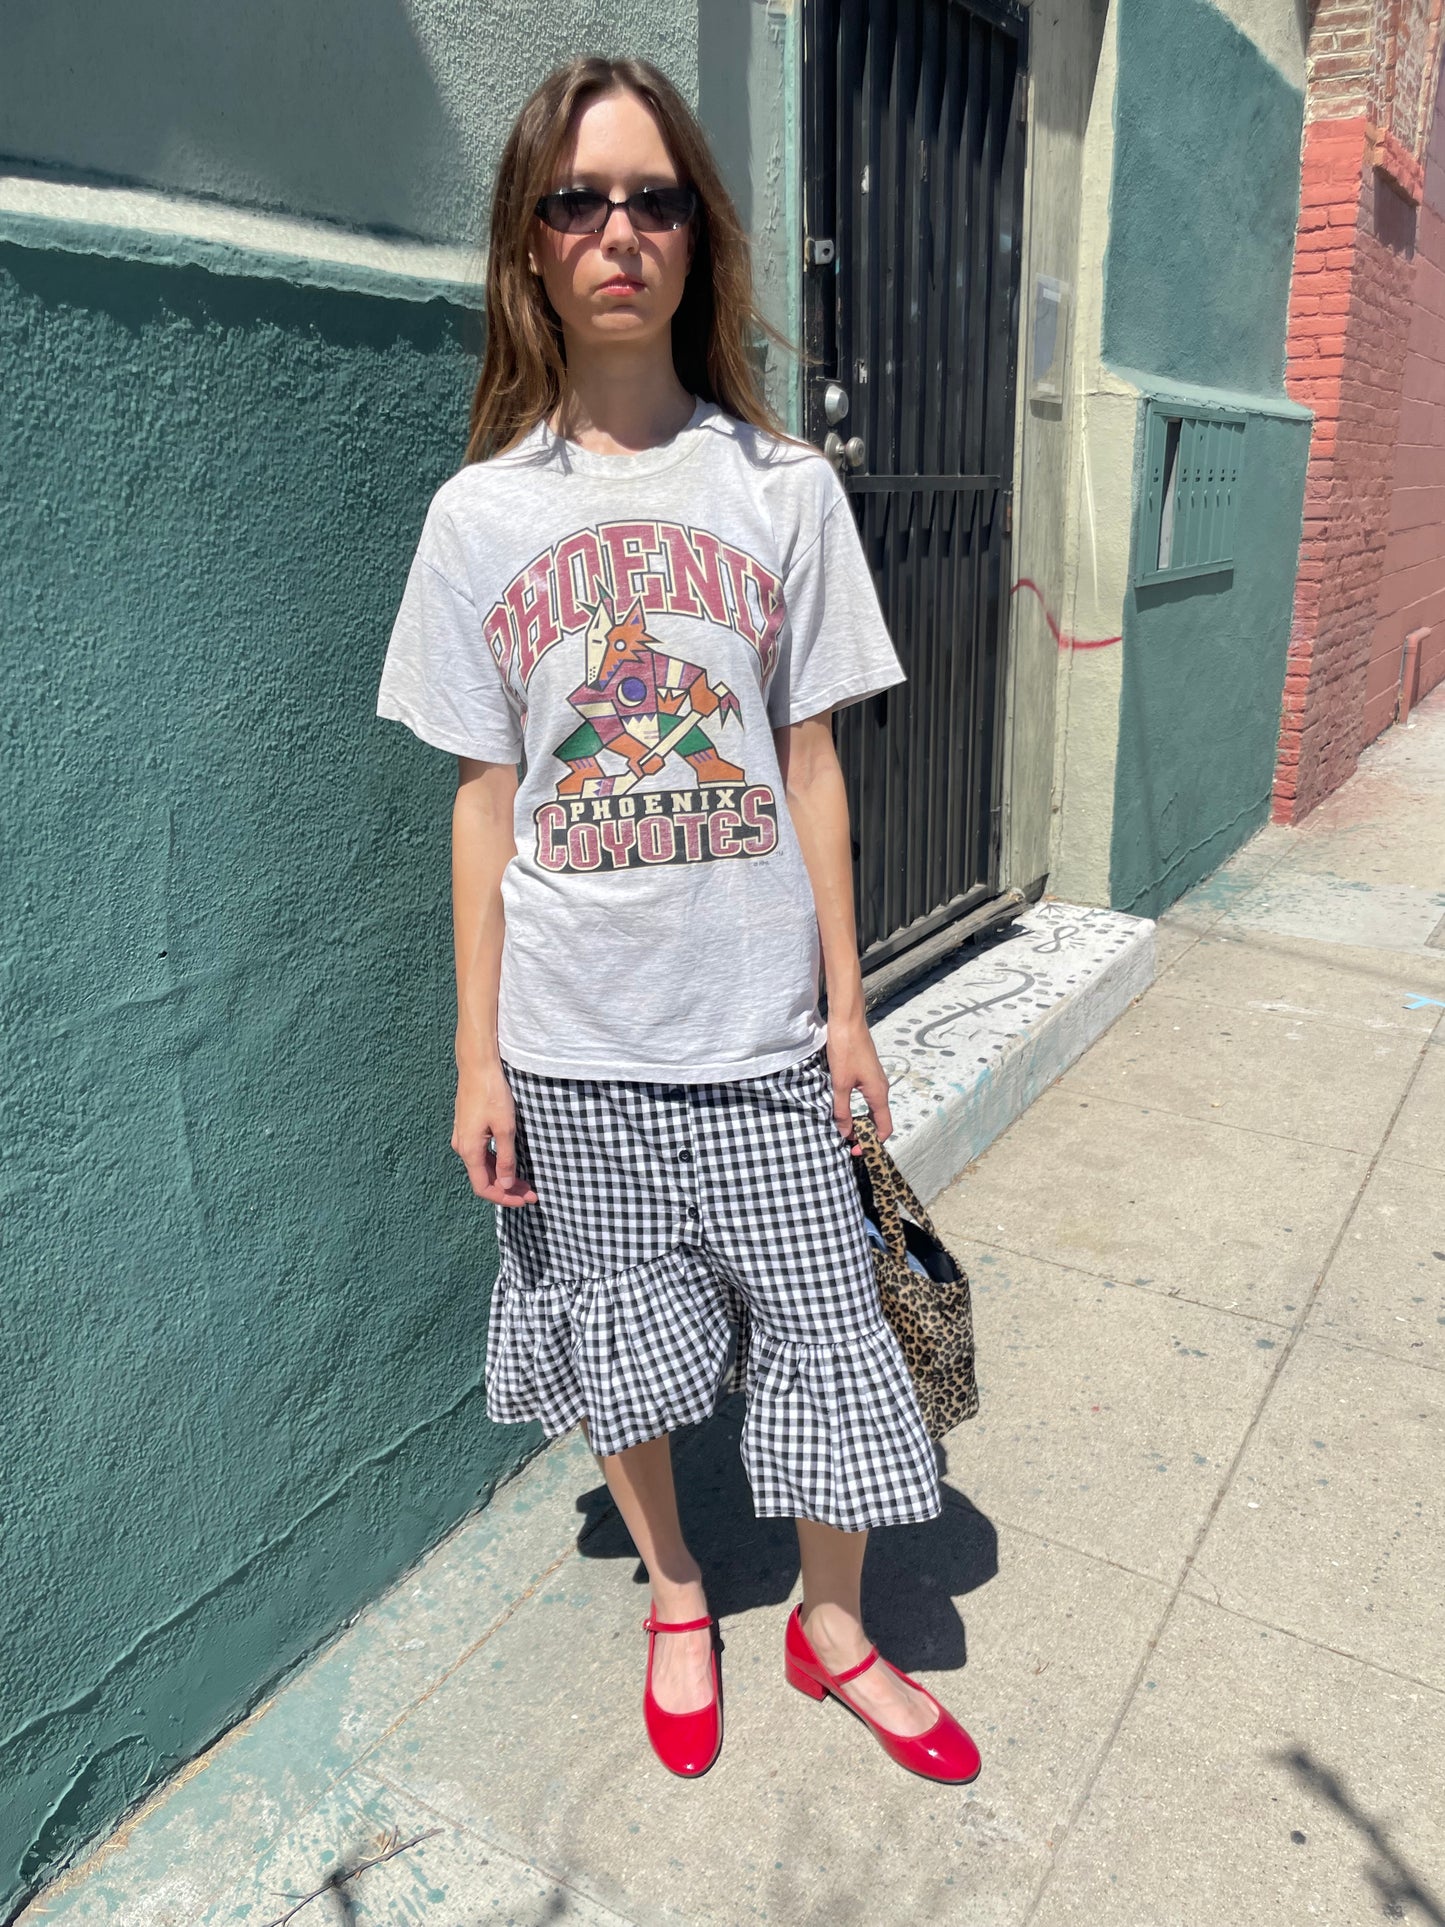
x=818, y=803
x=854, y=1066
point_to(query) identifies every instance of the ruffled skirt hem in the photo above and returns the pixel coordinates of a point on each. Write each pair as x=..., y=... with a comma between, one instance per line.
x=831, y=1431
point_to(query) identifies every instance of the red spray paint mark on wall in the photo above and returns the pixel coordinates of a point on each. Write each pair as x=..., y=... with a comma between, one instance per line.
x=1064, y=641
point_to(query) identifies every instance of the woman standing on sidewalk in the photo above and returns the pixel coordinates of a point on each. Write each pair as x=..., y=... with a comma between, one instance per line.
x=645, y=593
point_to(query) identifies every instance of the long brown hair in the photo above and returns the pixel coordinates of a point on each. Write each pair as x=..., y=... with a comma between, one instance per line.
x=716, y=329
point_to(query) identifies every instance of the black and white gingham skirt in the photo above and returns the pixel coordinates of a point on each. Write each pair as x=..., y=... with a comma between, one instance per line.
x=673, y=1220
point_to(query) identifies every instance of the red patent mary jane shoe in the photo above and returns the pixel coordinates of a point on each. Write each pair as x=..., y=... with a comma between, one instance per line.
x=686, y=1743
x=942, y=1752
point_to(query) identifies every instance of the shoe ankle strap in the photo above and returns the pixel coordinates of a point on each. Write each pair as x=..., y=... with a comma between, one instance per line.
x=852, y=1672
x=651, y=1625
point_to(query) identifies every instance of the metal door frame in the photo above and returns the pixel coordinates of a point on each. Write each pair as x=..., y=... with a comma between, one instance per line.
x=986, y=498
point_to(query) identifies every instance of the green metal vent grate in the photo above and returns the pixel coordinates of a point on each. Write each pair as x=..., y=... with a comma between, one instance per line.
x=1190, y=499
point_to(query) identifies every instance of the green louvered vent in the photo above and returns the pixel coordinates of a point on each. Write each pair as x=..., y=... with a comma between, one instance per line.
x=1190, y=498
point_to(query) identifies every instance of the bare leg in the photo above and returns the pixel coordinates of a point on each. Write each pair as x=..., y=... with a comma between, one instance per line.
x=640, y=1481
x=833, y=1621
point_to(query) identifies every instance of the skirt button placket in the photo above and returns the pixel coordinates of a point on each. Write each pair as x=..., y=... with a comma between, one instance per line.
x=685, y=1161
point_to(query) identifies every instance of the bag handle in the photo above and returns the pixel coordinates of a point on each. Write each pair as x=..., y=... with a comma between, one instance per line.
x=888, y=1182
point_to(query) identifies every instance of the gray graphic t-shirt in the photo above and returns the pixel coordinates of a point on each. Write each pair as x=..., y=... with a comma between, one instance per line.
x=631, y=629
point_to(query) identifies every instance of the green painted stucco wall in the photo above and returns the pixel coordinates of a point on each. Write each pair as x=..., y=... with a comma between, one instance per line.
x=1204, y=201
x=245, y=1279
x=1199, y=701
x=1203, y=205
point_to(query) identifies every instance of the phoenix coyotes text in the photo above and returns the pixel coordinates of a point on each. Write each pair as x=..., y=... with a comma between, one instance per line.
x=670, y=568
x=703, y=825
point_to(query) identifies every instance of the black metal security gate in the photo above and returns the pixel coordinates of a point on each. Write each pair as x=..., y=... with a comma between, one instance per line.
x=913, y=162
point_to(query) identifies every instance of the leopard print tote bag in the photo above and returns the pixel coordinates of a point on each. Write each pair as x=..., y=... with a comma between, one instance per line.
x=928, y=1302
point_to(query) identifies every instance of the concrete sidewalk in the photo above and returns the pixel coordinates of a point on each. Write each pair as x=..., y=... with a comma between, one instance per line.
x=1187, y=1588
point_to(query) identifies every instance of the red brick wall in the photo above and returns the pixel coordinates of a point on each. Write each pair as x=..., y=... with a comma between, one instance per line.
x=1376, y=59
x=1348, y=330
x=1412, y=586
x=1371, y=68
x=1345, y=61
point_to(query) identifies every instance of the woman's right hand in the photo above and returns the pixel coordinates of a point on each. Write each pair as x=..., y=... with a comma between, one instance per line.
x=484, y=1136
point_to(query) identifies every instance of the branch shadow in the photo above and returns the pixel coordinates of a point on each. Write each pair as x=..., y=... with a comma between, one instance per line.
x=911, y=1579
x=1396, y=1886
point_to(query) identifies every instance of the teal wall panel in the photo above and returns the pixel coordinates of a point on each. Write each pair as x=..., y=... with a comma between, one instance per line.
x=245, y=1279
x=1203, y=205
x=1204, y=200
x=1203, y=677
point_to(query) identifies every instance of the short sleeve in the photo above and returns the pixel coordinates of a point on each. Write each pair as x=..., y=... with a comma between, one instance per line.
x=837, y=648
x=439, y=676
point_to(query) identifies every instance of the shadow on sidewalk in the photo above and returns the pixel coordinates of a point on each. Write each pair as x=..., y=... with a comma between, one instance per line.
x=911, y=1579
x=1397, y=1888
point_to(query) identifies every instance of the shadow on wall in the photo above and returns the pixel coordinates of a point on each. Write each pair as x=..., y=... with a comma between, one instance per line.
x=384, y=114
x=1395, y=218
x=329, y=108
x=1064, y=51
x=723, y=99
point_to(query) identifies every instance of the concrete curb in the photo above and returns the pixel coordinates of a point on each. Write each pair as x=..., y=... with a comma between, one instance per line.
x=969, y=1049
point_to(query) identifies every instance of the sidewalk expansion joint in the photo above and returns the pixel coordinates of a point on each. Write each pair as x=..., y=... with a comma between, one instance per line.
x=1093, y=1092
x=1287, y=1351
x=1320, y=1645
x=470, y=1653
x=493, y=1847
x=1176, y=1294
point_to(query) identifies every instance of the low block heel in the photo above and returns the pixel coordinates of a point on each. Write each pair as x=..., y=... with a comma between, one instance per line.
x=804, y=1685
x=942, y=1751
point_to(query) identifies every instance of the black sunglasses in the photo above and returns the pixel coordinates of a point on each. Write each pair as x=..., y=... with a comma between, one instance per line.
x=652, y=210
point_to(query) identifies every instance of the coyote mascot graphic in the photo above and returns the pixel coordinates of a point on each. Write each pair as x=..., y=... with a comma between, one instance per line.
x=642, y=705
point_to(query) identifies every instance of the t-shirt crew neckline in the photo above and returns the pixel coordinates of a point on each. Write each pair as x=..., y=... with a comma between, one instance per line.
x=642, y=461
